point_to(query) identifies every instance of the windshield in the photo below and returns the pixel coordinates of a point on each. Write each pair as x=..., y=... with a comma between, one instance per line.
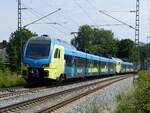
x=38, y=49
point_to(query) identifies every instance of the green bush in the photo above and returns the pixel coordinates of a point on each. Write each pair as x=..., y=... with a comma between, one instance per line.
x=2, y=67
x=94, y=109
x=137, y=100
x=9, y=79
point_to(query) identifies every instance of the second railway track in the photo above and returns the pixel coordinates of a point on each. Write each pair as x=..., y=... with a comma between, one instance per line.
x=62, y=98
x=21, y=91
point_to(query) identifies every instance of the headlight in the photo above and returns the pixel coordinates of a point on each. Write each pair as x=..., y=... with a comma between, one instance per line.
x=45, y=65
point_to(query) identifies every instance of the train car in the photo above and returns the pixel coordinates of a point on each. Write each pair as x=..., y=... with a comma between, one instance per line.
x=51, y=58
x=127, y=67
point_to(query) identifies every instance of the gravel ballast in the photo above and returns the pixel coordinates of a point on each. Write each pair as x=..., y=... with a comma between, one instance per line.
x=42, y=92
x=104, y=100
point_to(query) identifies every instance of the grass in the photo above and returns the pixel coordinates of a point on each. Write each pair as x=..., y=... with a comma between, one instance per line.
x=94, y=109
x=137, y=100
x=9, y=79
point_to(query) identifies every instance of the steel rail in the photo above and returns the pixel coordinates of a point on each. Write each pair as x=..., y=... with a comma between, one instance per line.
x=66, y=102
x=36, y=101
x=15, y=93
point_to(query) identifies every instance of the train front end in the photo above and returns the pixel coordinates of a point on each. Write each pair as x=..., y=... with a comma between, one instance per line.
x=36, y=58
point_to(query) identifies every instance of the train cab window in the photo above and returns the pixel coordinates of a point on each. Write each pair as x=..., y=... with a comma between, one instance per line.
x=57, y=53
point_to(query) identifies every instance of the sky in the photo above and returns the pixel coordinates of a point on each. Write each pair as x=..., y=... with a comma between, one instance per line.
x=73, y=14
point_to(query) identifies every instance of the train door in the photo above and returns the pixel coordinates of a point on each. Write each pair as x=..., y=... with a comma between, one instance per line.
x=70, y=66
x=57, y=62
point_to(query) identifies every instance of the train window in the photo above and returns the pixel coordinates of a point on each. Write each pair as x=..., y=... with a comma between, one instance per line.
x=103, y=64
x=80, y=62
x=69, y=60
x=57, y=53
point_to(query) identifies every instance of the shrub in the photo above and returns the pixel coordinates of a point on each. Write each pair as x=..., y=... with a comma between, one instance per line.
x=137, y=100
x=9, y=79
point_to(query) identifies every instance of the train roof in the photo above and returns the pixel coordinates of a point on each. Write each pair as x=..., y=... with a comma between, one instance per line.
x=64, y=44
x=127, y=63
x=121, y=61
x=40, y=38
x=116, y=59
x=87, y=55
x=54, y=40
x=71, y=50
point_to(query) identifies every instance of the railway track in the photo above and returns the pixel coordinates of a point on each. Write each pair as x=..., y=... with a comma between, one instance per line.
x=69, y=96
x=11, y=92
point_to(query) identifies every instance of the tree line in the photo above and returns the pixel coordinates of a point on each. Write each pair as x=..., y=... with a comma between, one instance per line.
x=93, y=40
x=103, y=43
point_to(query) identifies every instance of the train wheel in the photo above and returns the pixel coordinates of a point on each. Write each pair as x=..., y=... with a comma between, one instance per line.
x=62, y=78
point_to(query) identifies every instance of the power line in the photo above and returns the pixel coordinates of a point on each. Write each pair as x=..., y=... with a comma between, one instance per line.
x=94, y=7
x=108, y=25
x=31, y=10
x=117, y=19
x=84, y=11
x=131, y=11
x=67, y=18
x=37, y=14
x=90, y=3
x=54, y=23
x=50, y=23
x=42, y=17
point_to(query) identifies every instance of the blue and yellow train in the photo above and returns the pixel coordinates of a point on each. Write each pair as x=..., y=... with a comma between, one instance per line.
x=51, y=58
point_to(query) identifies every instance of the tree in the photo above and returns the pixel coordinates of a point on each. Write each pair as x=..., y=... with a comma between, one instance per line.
x=84, y=38
x=97, y=41
x=105, y=42
x=126, y=49
x=144, y=56
x=17, y=39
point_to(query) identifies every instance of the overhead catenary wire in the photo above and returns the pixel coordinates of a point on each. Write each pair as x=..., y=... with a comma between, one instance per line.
x=131, y=11
x=116, y=19
x=109, y=25
x=84, y=11
x=69, y=18
x=37, y=14
x=148, y=17
x=94, y=7
x=63, y=15
x=42, y=17
x=49, y=23
x=31, y=10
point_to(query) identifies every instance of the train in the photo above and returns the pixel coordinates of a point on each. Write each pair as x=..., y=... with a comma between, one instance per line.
x=50, y=58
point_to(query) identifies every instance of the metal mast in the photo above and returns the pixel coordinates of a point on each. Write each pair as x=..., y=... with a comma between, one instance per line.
x=19, y=15
x=148, y=14
x=137, y=22
x=137, y=41
x=19, y=28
